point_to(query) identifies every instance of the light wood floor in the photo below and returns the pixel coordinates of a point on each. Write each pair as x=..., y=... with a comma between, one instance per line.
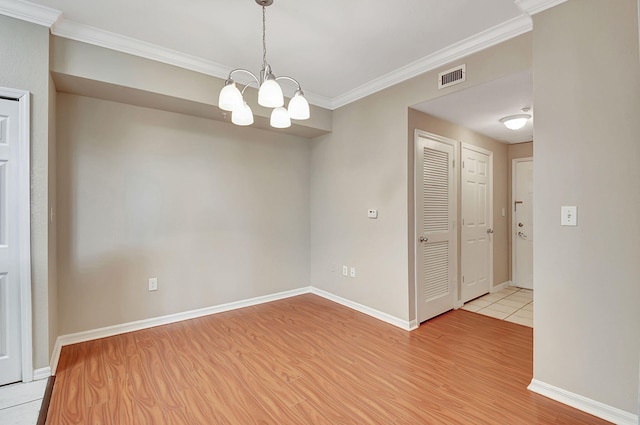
x=306, y=360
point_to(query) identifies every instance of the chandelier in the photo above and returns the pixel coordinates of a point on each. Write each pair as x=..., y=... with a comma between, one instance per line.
x=269, y=93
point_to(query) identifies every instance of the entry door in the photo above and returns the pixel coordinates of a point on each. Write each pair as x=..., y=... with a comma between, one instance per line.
x=476, y=211
x=10, y=327
x=522, y=223
x=436, y=248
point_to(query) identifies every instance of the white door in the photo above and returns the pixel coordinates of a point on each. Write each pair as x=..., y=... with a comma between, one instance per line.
x=522, y=220
x=436, y=252
x=10, y=327
x=476, y=239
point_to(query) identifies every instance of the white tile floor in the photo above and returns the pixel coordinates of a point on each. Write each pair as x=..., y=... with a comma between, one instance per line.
x=20, y=403
x=510, y=304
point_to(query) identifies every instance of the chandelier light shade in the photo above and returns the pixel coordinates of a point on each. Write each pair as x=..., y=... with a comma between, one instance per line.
x=280, y=118
x=298, y=107
x=230, y=97
x=270, y=93
x=515, y=122
x=242, y=115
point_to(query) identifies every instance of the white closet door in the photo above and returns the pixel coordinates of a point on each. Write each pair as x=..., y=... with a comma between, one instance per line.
x=10, y=329
x=477, y=199
x=435, y=226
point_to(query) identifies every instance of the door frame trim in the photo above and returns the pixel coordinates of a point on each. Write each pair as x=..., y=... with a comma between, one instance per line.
x=456, y=158
x=491, y=223
x=513, y=229
x=24, y=224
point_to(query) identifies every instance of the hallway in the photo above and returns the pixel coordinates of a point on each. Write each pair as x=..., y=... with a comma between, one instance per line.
x=511, y=304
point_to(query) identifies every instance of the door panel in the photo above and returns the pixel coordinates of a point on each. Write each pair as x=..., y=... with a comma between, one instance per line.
x=435, y=225
x=476, y=212
x=10, y=330
x=523, y=223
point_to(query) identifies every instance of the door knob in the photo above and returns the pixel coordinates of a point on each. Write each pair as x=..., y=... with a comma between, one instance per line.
x=423, y=239
x=520, y=225
x=522, y=235
x=489, y=231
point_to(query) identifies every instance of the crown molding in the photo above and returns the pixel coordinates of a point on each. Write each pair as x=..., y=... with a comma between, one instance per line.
x=502, y=32
x=109, y=40
x=97, y=37
x=536, y=6
x=83, y=33
x=29, y=12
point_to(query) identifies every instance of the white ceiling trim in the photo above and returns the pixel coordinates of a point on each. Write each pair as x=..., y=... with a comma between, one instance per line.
x=536, y=6
x=72, y=30
x=97, y=37
x=91, y=35
x=29, y=12
x=492, y=36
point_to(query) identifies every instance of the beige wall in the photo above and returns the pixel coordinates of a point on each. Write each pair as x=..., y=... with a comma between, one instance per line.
x=431, y=124
x=24, y=49
x=587, y=294
x=217, y=213
x=93, y=71
x=364, y=163
x=515, y=151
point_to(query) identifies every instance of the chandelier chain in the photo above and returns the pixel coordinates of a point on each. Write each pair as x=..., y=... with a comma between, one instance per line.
x=264, y=38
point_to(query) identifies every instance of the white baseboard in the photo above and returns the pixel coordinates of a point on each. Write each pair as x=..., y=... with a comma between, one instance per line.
x=403, y=324
x=42, y=373
x=413, y=325
x=500, y=287
x=585, y=404
x=75, y=338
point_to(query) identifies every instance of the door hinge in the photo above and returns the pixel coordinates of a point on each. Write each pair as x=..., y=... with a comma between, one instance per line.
x=462, y=164
x=462, y=279
x=453, y=164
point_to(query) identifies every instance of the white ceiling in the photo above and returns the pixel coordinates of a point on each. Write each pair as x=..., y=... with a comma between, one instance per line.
x=481, y=107
x=330, y=46
x=339, y=50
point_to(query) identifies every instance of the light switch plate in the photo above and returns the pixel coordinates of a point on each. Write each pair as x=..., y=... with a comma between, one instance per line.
x=569, y=216
x=153, y=284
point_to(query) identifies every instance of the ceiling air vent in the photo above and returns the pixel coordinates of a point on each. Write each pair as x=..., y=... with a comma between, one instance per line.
x=452, y=76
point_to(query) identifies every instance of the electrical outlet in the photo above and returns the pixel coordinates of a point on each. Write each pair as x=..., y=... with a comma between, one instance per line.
x=345, y=270
x=153, y=284
x=353, y=272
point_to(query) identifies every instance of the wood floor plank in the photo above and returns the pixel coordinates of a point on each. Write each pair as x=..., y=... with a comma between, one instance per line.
x=306, y=360
x=232, y=395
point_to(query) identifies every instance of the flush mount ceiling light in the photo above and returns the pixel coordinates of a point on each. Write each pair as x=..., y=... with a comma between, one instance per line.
x=516, y=122
x=269, y=92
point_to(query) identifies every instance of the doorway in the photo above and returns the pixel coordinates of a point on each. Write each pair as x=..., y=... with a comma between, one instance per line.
x=522, y=223
x=15, y=263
